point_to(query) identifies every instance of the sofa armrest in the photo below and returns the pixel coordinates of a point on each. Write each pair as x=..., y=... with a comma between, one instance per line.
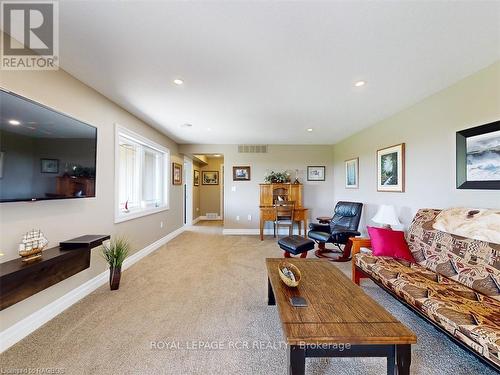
x=357, y=244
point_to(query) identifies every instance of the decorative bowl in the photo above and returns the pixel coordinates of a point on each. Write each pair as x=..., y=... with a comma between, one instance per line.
x=291, y=282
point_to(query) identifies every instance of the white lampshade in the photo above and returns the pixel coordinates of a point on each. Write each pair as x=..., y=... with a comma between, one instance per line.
x=386, y=214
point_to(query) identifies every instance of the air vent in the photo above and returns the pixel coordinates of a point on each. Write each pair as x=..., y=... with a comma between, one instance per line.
x=252, y=149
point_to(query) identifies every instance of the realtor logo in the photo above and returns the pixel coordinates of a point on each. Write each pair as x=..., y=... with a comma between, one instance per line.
x=30, y=38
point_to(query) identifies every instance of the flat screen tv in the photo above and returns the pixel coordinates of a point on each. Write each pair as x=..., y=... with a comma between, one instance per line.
x=44, y=154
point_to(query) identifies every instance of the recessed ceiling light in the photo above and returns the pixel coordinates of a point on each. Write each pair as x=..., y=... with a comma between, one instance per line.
x=310, y=130
x=217, y=155
x=178, y=81
x=360, y=83
x=14, y=122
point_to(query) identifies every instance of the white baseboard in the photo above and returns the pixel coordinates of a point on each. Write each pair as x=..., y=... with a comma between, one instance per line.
x=24, y=327
x=240, y=232
x=207, y=218
x=256, y=231
x=150, y=248
x=196, y=220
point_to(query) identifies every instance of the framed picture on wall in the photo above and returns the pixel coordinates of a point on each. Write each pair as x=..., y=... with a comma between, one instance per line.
x=316, y=173
x=196, y=178
x=176, y=174
x=210, y=178
x=49, y=165
x=241, y=173
x=478, y=157
x=391, y=169
x=352, y=173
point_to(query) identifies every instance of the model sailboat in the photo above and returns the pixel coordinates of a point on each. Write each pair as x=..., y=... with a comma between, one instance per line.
x=32, y=245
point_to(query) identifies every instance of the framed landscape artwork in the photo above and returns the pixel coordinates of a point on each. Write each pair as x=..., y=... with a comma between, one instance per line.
x=49, y=165
x=316, y=173
x=210, y=178
x=352, y=173
x=241, y=173
x=391, y=169
x=196, y=178
x=176, y=174
x=478, y=157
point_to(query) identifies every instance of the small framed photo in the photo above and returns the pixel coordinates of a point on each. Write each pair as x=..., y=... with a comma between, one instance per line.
x=316, y=173
x=176, y=174
x=352, y=173
x=391, y=169
x=241, y=173
x=210, y=178
x=478, y=157
x=49, y=165
x=196, y=178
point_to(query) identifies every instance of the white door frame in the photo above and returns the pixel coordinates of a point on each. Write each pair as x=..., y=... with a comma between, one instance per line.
x=221, y=181
x=188, y=186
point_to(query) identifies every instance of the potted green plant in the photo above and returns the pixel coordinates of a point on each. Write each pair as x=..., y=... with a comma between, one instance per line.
x=277, y=177
x=115, y=252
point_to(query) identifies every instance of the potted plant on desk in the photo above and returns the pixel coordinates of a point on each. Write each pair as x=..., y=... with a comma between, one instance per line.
x=115, y=252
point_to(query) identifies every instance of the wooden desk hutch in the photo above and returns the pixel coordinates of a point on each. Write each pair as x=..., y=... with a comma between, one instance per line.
x=270, y=193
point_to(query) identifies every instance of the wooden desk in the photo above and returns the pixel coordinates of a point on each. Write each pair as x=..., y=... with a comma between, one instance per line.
x=337, y=322
x=268, y=213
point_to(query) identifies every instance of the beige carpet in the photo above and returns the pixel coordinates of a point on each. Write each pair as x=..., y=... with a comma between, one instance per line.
x=203, y=288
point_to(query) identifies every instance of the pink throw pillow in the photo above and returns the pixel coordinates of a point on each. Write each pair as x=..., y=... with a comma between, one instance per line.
x=389, y=243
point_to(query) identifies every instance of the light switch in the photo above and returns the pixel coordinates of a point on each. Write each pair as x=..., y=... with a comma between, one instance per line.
x=233, y=188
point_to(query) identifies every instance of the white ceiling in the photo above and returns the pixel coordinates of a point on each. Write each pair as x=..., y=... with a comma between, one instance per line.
x=264, y=72
x=36, y=121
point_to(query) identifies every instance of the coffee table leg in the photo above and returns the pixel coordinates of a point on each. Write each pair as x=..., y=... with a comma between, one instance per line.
x=403, y=359
x=296, y=360
x=270, y=294
x=391, y=362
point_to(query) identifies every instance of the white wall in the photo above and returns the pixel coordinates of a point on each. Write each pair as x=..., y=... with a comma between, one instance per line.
x=318, y=196
x=65, y=219
x=428, y=129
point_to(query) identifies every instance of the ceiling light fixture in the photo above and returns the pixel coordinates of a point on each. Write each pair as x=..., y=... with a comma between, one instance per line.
x=14, y=122
x=217, y=155
x=310, y=130
x=178, y=81
x=187, y=125
x=360, y=83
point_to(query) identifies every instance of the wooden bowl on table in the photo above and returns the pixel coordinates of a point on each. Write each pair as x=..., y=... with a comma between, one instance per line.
x=291, y=282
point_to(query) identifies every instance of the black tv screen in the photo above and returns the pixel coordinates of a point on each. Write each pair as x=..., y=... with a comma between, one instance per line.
x=44, y=154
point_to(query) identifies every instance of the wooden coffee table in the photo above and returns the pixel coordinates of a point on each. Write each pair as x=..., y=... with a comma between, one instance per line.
x=339, y=321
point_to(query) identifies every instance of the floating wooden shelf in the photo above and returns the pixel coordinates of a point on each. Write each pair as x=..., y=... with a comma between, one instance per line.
x=20, y=280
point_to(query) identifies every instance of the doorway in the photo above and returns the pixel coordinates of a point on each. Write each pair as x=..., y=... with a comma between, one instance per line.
x=208, y=189
x=188, y=191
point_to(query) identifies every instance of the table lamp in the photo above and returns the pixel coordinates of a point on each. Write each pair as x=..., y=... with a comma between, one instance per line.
x=387, y=216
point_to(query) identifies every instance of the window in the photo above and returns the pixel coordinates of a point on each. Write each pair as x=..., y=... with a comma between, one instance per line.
x=141, y=176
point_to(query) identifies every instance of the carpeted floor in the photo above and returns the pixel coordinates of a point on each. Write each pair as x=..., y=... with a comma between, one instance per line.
x=198, y=306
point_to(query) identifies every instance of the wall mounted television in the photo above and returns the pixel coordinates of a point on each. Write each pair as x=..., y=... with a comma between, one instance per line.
x=44, y=154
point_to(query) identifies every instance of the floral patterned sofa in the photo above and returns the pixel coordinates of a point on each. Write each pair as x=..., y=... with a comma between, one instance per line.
x=455, y=283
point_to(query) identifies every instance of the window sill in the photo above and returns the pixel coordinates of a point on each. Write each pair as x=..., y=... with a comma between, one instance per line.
x=135, y=215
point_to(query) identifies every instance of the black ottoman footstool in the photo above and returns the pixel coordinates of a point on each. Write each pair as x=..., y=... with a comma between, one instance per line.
x=295, y=245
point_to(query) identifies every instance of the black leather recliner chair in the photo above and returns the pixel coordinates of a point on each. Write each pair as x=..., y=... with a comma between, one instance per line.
x=343, y=225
